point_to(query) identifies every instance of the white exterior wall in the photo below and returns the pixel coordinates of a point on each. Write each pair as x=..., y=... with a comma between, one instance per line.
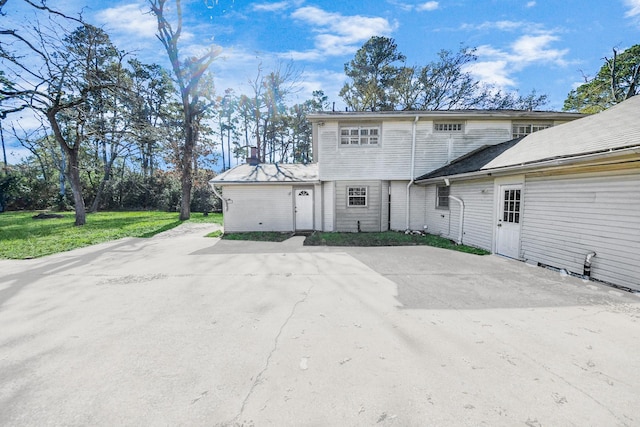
x=417, y=203
x=369, y=217
x=329, y=207
x=258, y=208
x=566, y=217
x=391, y=158
x=478, y=213
x=398, y=204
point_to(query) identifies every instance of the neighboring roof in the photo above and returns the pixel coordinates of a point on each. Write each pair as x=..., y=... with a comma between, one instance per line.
x=613, y=129
x=443, y=114
x=471, y=162
x=268, y=173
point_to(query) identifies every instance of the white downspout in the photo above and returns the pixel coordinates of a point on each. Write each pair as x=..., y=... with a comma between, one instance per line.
x=219, y=196
x=413, y=167
x=461, y=225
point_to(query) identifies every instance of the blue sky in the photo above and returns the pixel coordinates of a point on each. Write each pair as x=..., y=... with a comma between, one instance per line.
x=546, y=45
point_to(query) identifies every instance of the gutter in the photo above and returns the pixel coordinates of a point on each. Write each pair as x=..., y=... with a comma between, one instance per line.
x=225, y=202
x=444, y=114
x=413, y=167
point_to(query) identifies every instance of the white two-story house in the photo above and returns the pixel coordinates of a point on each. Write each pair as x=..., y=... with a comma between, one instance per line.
x=365, y=163
x=536, y=186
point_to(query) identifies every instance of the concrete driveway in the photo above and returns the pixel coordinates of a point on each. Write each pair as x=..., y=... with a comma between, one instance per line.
x=184, y=330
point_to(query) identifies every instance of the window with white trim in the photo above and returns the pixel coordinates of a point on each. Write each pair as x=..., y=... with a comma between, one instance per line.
x=442, y=196
x=359, y=135
x=356, y=197
x=524, y=129
x=447, y=127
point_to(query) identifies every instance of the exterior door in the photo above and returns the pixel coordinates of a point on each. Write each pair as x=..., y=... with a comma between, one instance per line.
x=304, y=208
x=509, y=219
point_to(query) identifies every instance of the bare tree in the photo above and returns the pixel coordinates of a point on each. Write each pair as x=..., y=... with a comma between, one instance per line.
x=196, y=91
x=51, y=78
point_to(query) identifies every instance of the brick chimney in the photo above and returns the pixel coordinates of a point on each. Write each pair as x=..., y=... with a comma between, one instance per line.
x=253, y=158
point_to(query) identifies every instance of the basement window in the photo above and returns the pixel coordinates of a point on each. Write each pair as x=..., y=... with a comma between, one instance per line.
x=356, y=197
x=442, y=197
x=359, y=135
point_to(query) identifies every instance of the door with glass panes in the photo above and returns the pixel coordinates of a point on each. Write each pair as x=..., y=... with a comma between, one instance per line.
x=509, y=220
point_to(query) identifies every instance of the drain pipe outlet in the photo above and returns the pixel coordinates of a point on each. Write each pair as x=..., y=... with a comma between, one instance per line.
x=413, y=168
x=225, y=202
x=461, y=225
x=587, y=264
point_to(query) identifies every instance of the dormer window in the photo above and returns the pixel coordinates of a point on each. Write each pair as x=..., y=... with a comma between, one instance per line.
x=359, y=135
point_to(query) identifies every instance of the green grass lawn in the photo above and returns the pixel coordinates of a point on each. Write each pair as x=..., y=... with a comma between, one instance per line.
x=387, y=238
x=258, y=236
x=23, y=237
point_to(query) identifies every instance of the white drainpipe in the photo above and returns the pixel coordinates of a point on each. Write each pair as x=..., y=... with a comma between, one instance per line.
x=224, y=201
x=461, y=225
x=413, y=167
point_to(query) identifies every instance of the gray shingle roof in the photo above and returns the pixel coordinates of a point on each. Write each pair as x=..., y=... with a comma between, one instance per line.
x=471, y=162
x=268, y=173
x=615, y=128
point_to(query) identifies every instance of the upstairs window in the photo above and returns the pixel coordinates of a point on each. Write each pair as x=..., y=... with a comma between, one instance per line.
x=447, y=127
x=359, y=135
x=356, y=197
x=442, y=197
x=524, y=129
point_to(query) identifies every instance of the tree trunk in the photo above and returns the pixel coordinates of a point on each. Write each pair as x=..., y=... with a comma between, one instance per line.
x=73, y=167
x=186, y=178
x=73, y=174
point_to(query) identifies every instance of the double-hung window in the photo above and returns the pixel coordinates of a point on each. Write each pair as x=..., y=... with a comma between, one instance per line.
x=442, y=197
x=356, y=197
x=359, y=135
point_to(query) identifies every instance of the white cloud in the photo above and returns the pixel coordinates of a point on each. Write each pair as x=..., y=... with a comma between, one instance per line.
x=497, y=65
x=530, y=4
x=133, y=19
x=428, y=6
x=492, y=72
x=634, y=8
x=338, y=34
x=535, y=48
x=270, y=7
x=503, y=26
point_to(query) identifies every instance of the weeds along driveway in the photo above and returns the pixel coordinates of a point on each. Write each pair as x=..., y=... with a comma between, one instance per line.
x=180, y=329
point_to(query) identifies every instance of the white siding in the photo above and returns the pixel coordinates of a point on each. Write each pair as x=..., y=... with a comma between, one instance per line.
x=258, y=208
x=478, y=213
x=398, y=204
x=417, y=213
x=317, y=207
x=384, y=209
x=565, y=217
x=328, y=189
x=369, y=217
x=391, y=158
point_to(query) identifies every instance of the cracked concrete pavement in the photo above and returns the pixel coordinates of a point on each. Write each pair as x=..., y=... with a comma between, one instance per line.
x=185, y=330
